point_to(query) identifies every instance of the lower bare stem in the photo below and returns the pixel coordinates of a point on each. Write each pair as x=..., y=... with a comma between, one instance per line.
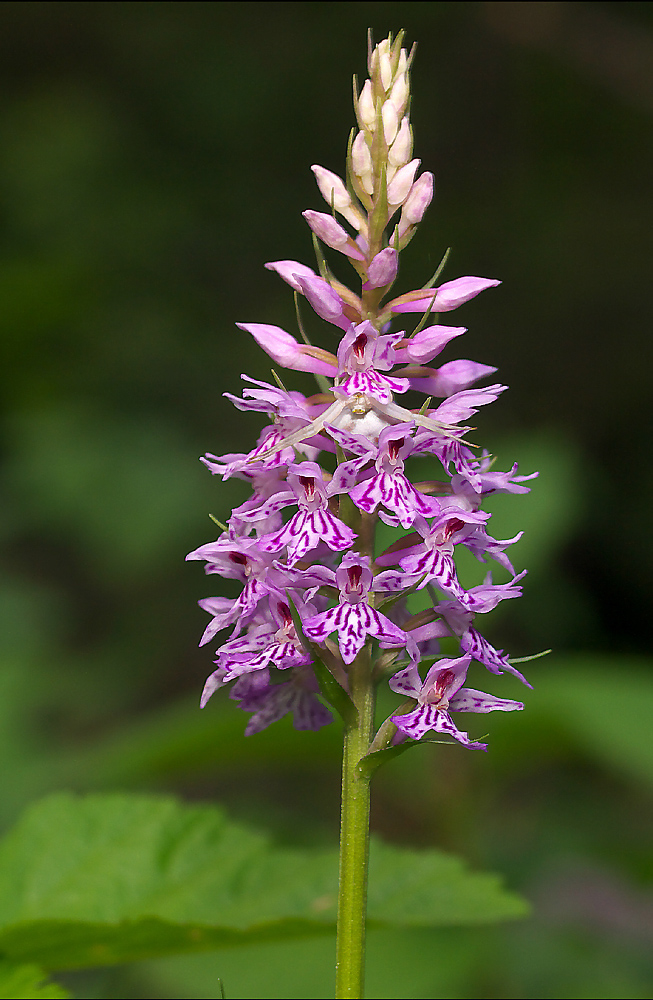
x=354, y=835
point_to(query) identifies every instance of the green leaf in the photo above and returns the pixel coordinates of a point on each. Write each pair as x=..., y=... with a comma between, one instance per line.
x=109, y=878
x=27, y=982
x=336, y=695
x=440, y=268
x=410, y=888
x=371, y=761
x=113, y=878
x=425, y=316
x=442, y=962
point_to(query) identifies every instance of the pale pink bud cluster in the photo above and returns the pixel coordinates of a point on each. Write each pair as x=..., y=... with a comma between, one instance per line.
x=380, y=168
x=381, y=112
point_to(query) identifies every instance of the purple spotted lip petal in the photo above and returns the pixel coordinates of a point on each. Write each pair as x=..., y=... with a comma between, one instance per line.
x=440, y=693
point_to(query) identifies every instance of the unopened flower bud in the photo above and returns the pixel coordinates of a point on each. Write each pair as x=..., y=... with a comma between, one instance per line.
x=361, y=162
x=448, y=296
x=289, y=270
x=360, y=156
x=399, y=94
x=324, y=300
x=284, y=349
x=334, y=192
x=399, y=153
x=454, y=377
x=428, y=343
x=330, y=232
x=401, y=183
x=366, y=108
x=390, y=122
x=331, y=187
x=372, y=59
x=417, y=201
x=379, y=50
x=385, y=69
x=383, y=269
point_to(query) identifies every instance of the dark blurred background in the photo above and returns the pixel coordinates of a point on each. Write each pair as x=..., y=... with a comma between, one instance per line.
x=152, y=157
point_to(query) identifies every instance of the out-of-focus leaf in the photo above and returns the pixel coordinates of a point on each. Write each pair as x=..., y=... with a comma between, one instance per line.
x=179, y=739
x=442, y=962
x=83, y=475
x=429, y=888
x=548, y=515
x=106, y=879
x=606, y=704
x=600, y=705
x=27, y=982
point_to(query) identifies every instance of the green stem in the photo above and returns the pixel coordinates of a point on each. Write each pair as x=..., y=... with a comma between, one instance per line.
x=354, y=835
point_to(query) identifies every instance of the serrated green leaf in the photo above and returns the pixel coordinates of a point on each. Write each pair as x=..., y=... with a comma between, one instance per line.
x=28, y=982
x=114, y=878
x=410, y=888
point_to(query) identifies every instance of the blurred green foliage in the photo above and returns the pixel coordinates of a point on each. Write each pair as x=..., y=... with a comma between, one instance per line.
x=152, y=157
x=109, y=879
x=27, y=982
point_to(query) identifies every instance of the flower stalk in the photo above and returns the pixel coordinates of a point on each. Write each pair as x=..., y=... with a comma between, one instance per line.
x=354, y=834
